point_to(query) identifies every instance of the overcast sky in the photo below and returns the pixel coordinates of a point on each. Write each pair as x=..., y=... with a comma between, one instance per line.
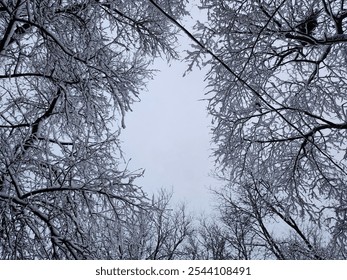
x=168, y=132
x=168, y=135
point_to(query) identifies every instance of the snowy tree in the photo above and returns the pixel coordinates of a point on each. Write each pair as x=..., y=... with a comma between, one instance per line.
x=159, y=233
x=69, y=72
x=277, y=85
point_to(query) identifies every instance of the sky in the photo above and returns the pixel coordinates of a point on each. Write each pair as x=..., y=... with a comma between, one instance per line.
x=168, y=134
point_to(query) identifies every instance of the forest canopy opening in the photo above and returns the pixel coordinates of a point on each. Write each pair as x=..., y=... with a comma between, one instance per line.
x=276, y=89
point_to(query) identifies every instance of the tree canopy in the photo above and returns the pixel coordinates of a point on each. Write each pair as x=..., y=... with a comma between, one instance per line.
x=276, y=90
x=69, y=72
x=277, y=86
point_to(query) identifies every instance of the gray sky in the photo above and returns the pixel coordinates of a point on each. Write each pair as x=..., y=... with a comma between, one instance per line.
x=168, y=135
x=168, y=132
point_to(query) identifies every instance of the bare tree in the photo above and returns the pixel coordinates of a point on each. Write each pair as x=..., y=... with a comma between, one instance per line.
x=260, y=228
x=213, y=241
x=69, y=72
x=170, y=228
x=160, y=232
x=278, y=100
